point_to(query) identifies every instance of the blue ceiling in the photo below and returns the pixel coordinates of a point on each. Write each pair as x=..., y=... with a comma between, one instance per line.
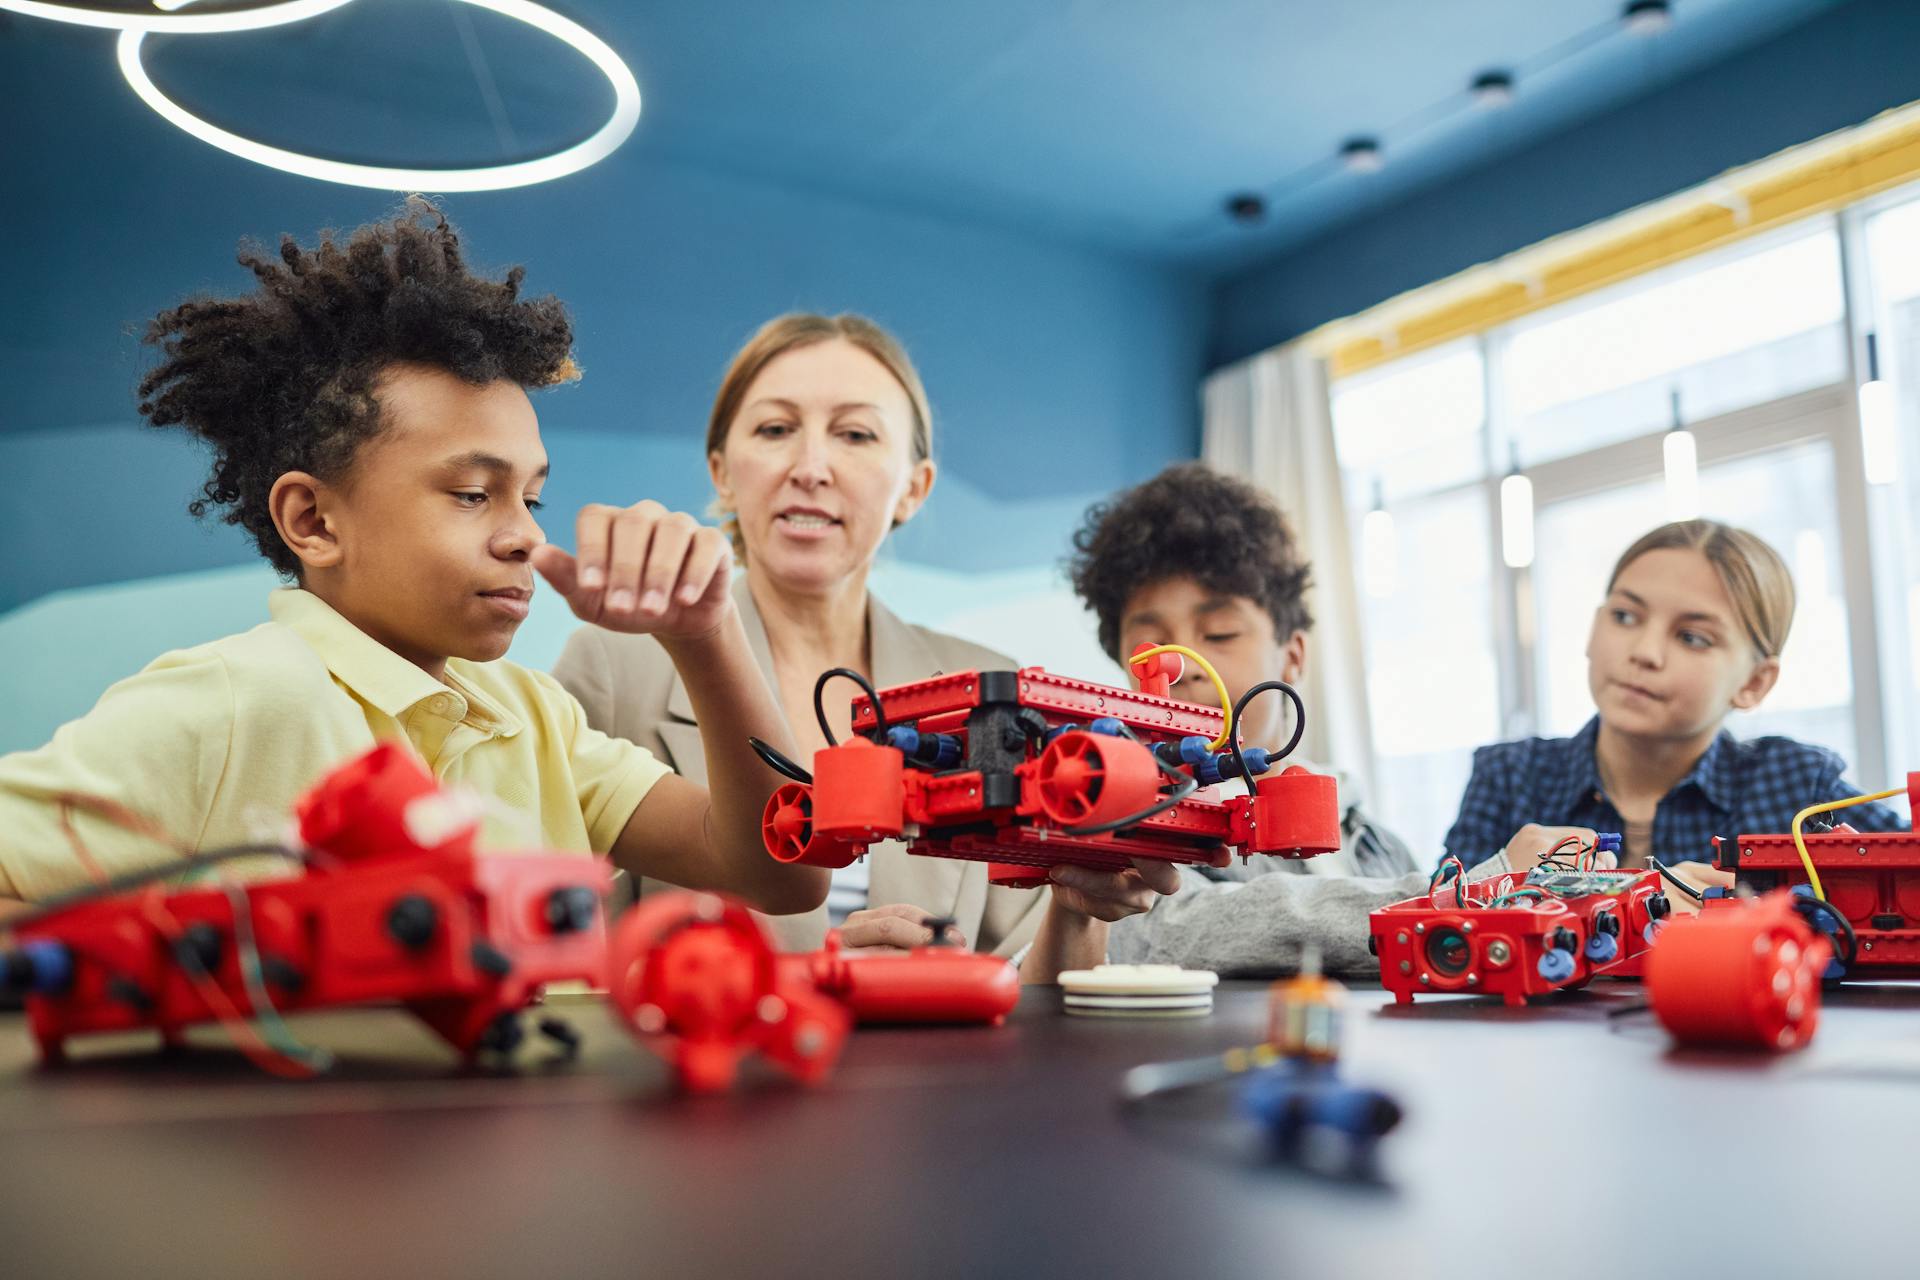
x=1121, y=124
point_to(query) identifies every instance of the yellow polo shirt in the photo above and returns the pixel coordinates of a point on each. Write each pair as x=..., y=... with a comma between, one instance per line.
x=216, y=742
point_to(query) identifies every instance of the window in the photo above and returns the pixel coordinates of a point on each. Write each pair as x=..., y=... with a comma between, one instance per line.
x=1893, y=254
x=1413, y=426
x=1460, y=651
x=1719, y=336
x=1433, y=681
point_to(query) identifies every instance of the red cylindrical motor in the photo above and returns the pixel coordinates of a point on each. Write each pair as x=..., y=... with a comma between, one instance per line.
x=859, y=792
x=1742, y=975
x=1295, y=813
x=1086, y=779
x=925, y=985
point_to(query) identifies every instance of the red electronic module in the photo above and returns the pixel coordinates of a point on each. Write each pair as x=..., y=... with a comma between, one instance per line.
x=1517, y=938
x=395, y=904
x=1026, y=770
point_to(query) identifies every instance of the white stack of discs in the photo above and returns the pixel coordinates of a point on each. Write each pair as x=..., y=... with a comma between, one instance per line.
x=1139, y=991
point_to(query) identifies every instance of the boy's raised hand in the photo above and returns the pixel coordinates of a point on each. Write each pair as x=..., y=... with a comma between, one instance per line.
x=643, y=569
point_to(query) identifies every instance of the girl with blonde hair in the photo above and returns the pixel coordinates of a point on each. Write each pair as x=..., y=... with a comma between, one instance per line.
x=1691, y=630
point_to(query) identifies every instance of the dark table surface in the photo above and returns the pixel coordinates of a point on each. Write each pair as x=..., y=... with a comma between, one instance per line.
x=1551, y=1141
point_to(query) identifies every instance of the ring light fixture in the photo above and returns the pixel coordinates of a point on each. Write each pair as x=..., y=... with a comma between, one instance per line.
x=135, y=28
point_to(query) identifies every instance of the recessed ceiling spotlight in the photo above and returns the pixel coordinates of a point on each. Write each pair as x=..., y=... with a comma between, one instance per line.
x=1362, y=155
x=1246, y=208
x=1492, y=89
x=1647, y=17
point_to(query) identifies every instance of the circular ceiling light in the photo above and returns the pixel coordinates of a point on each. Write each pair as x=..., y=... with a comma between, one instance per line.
x=604, y=141
x=171, y=24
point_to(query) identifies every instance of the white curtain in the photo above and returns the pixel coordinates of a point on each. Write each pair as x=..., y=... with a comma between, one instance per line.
x=1268, y=420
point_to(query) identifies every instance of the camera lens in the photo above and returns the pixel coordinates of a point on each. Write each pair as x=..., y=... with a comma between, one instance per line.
x=1448, y=952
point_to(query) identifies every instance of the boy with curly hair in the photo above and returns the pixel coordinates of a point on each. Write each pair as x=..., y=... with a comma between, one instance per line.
x=367, y=411
x=1197, y=558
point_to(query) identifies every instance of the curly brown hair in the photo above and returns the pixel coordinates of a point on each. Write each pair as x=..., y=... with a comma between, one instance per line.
x=283, y=378
x=1189, y=522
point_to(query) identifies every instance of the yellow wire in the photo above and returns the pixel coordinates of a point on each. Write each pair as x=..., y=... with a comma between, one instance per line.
x=1806, y=859
x=1219, y=686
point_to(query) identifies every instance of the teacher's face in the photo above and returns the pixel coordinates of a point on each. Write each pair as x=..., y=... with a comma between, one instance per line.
x=817, y=465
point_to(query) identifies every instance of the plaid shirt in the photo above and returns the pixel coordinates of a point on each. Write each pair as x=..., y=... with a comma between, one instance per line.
x=1735, y=788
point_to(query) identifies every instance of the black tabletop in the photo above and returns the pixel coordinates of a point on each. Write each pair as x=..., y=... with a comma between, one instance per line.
x=1549, y=1141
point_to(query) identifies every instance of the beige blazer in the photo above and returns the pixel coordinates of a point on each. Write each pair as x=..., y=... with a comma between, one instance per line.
x=630, y=690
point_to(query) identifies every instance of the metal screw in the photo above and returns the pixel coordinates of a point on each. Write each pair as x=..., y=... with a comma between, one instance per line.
x=1419, y=928
x=649, y=1018
x=1406, y=966
x=1466, y=926
x=771, y=1008
x=1866, y=946
x=1863, y=851
x=810, y=1040
x=1473, y=979
x=1426, y=979
x=1498, y=952
x=1746, y=853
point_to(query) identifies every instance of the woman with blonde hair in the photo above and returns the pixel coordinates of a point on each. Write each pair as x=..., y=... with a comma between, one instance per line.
x=1692, y=627
x=820, y=443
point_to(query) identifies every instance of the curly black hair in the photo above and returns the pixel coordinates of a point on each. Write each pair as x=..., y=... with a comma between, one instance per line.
x=1189, y=521
x=283, y=378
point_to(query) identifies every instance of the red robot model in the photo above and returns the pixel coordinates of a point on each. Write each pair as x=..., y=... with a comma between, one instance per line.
x=698, y=982
x=1868, y=881
x=395, y=904
x=1520, y=938
x=1026, y=770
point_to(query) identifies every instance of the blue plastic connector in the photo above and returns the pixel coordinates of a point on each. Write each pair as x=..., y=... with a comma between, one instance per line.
x=1556, y=965
x=935, y=750
x=1821, y=918
x=1293, y=1099
x=1258, y=762
x=37, y=967
x=1108, y=725
x=1607, y=842
x=1601, y=948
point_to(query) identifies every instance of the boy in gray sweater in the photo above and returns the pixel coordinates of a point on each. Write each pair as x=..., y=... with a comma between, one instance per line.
x=1197, y=558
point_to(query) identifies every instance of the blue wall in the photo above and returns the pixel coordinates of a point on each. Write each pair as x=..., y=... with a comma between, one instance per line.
x=1057, y=373
x=1836, y=70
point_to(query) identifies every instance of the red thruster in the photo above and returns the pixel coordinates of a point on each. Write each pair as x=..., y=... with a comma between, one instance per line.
x=1742, y=975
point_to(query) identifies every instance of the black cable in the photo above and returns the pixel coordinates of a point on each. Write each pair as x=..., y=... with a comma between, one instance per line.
x=780, y=764
x=1240, y=709
x=1807, y=905
x=1187, y=785
x=873, y=695
x=1676, y=881
x=147, y=875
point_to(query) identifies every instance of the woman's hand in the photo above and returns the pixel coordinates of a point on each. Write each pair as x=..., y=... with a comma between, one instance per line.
x=1531, y=843
x=896, y=927
x=644, y=570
